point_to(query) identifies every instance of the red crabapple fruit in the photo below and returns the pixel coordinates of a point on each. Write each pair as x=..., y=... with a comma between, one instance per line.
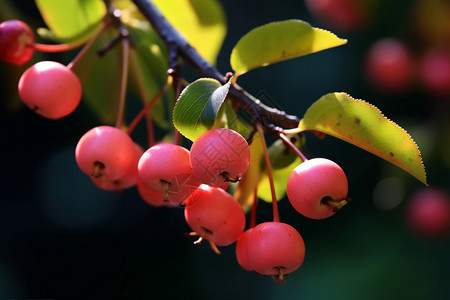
x=16, y=42
x=50, y=89
x=105, y=151
x=127, y=180
x=219, y=155
x=241, y=250
x=390, y=65
x=435, y=72
x=346, y=15
x=428, y=212
x=165, y=168
x=317, y=188
x=275, y=248
x=214, y=215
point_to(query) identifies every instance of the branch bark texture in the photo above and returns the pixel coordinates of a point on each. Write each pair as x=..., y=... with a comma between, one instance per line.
x=176, y=42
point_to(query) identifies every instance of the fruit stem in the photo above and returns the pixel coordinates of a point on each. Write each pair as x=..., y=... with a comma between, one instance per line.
x=149, y=105
x=123, y=81
x=337, y=205
x=276, y=215
x=291, y=145
x=291, y=131
x=88, y=45
x=99, y=167
x=141, y=86
x=279, y=278
x=165, y=185
x=254, y=206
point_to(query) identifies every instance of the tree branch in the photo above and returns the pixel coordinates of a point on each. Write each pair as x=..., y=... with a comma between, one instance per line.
x=173, y=39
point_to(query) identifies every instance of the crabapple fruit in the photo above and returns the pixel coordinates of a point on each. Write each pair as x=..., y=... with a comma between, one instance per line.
x=214, y=215
x=105, y=151
x=435, y=72
x=127, y=180
x=317, y=188
x=165, y=168
x=428, y=212
x=346, y=15
x=390, y=65
x=219, y=155
x=50, y=89
x=275, y=248
x=16, y=42
x=241, y=250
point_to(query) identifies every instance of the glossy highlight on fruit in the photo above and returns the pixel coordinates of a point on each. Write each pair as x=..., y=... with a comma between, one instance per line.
x=50, y=89
x=16, y=42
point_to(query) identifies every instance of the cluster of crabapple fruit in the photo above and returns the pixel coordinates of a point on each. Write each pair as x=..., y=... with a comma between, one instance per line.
x=393, y=67
x=49, y=88
x=170, y=175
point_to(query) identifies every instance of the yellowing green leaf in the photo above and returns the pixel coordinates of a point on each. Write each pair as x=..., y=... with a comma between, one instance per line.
x=278, y=41
x=202, y=22
x=245, y=189
x=69, y=19
x=363, y=125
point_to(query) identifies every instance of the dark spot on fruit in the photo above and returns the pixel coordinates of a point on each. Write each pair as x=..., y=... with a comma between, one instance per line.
x=357, y=121
x=391, y=154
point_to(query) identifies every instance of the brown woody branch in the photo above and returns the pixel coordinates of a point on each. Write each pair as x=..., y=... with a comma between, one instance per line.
x=177, y=43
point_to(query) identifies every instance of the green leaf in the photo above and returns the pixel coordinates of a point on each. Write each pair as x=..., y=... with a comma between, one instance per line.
x=149, y=64
x=283, y=160
x=202, y=22
x=278, y=41
x=100, y=77
x=363, y=125
x=198, y=105
x=71, y=19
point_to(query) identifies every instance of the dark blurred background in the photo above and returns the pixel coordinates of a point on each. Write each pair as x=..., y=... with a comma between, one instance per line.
x=62, y=238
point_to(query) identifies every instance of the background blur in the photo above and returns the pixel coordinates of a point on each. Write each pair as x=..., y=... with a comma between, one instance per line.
x=61, y=238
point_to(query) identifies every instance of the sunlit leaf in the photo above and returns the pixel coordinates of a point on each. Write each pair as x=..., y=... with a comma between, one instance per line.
x=198, y=105
x=202, y=22
x=71, y=19
x=278, y=41
x=245, y=189
x=363, y=125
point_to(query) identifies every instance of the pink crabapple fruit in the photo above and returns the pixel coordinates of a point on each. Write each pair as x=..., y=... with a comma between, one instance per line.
x=214, y=215
x=16, y=42
x=105, y=151
x=390, y=65
x=165, y=168
x=219, y=155
x=275, y=248
x=345, y=15
x=50, y=89
x=428, y=212
x=435, y=72
x=317, y=188
x=241, y=250
x=127, y=180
